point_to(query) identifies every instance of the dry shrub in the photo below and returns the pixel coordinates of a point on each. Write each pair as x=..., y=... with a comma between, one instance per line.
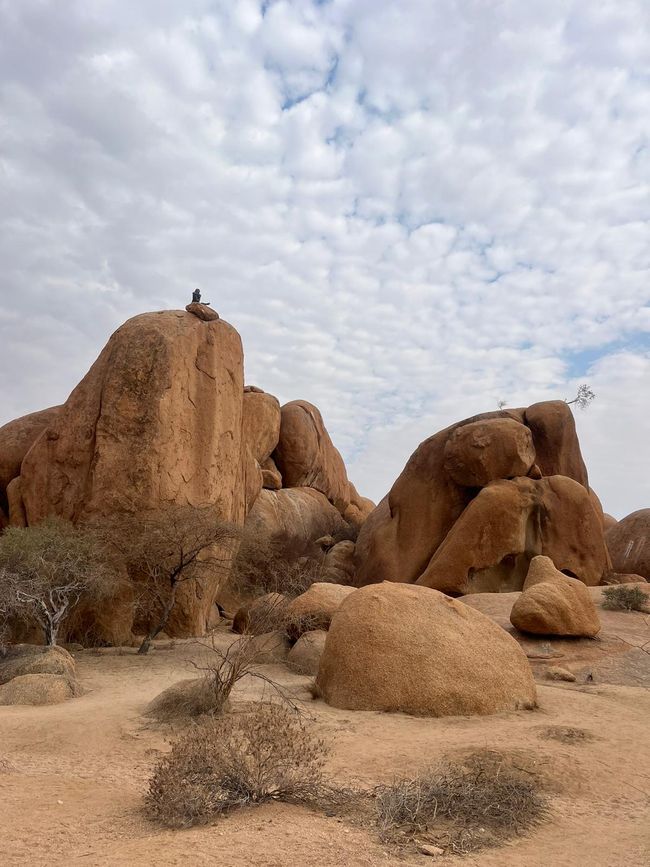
x=463, y=806
x=234, y=761
x=626, y=597
x=276, y=565
x=565, y=734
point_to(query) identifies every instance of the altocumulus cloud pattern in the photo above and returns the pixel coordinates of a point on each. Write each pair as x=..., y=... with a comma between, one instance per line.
x=410, y=210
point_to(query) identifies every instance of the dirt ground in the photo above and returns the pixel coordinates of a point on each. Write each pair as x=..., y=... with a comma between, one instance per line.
x=72, y=776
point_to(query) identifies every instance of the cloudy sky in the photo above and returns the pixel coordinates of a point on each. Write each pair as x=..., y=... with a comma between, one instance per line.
x=409, y=209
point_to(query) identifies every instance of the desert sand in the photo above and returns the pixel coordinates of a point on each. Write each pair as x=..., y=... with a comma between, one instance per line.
x=73, y=775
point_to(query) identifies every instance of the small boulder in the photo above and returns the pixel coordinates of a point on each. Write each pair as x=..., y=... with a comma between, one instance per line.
x=402, y=647
x=23, y=659
x=315, y=608
x=186, y=698
x=554, y=604
x=37, y=689
x=554, y=672
x=260, y=615
x=203, y=311
x=304, y=656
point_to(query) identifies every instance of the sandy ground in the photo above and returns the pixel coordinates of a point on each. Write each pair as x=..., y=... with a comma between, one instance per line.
x=72, y=776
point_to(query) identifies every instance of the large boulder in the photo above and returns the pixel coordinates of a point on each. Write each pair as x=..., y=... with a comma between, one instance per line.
x=480, y=452
x=393, y=647
x=554, y=604
x=509, y=522
x=37, y=689
x=23, y=659
x=261, y=421
x=628, y=542
x=399, y=540
x=299, y=515
x=307, y=457
x=156, y=422
x=315, y=608
x=557, y=449
x=16, y=439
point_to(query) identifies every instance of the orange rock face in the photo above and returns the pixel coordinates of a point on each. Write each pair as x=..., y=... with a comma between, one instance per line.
x=477, y=500
x=16, y=439
x=156, y=420
x=628, y=542
x=307, y=457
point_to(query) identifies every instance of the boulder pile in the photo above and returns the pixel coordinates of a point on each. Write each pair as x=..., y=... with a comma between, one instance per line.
x=478, y=500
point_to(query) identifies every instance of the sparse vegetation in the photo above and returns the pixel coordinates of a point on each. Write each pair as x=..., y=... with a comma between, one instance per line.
x=277, y=565
x=565, y=734
x=626, y=597
x=583, y=398
x=165, y=549
x=47, y=570
x=234, y=761
x=460, y=806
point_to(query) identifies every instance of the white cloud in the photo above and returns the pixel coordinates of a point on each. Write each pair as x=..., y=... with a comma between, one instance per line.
x=409, y=209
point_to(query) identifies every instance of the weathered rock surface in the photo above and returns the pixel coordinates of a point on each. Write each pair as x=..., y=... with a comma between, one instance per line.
x=393, y=647
x=557, y=448
x=401, y=539
x=609, y=521
x=307, y=457
x=508, y=523
x=157, y=421
x=271, y=478
x=554, y=604
x=629, y=544
x=358, y=509
x=16, y=439
x=482, y=451
x=304, y=657
x=261, y=615
x=261, y=422
x=37, y=689
x=22, y=659
x=338, y=567
x=17, y=516
x=315, y=608
x=300, y=515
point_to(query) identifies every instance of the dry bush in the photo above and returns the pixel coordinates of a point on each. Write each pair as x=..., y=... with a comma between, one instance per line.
x=626, y=597
x=463, y=806
x=234, y=761
x=47, y=570
x=565, y=734
x=166, y=548
x=275, y=565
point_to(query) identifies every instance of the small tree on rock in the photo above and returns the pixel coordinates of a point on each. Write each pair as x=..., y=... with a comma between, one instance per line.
x=47, y=570
x=583, y=398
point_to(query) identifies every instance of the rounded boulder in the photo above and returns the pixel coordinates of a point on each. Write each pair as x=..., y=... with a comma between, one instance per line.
x=401, y=647
x=480, y=452
x=315, y=608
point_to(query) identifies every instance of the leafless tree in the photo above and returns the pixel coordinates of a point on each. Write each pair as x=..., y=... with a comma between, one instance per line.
x=583, y=398
x=46, y=570
x=167, y=548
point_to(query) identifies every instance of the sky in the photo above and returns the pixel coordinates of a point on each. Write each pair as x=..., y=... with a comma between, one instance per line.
x=410, y=210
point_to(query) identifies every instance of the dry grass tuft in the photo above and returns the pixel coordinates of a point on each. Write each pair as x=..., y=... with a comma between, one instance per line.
x=566, y=734
x=234, y=761
x=626, y=597
x=461, y=807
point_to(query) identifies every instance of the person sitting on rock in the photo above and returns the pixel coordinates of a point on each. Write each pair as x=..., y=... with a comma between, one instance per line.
x=196, y=296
